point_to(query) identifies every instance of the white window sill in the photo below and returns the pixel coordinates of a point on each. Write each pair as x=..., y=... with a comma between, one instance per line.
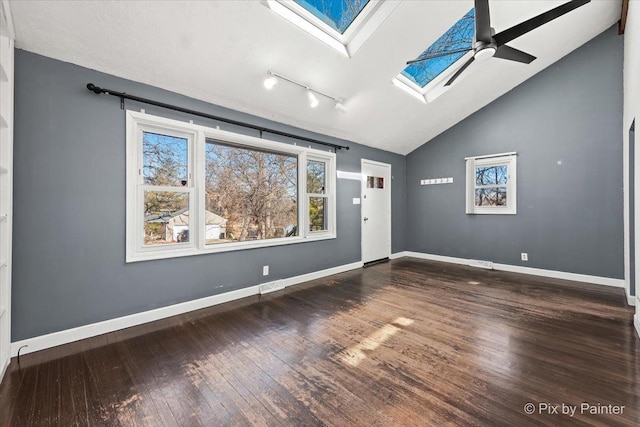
x=492, y=213
x=177, y=252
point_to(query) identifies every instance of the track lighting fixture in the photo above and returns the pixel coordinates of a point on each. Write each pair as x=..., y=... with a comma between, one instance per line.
x=272, y=80
x=313, y=101
x=340, y=107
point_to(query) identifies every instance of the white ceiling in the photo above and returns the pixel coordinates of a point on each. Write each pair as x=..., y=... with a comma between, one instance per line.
x=220, y=51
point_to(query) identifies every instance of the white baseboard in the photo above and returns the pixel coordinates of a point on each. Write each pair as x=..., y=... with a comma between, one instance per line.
x=398, y=255
x=607, y=281
x=441, y=258
x=4, y=369
x=631, y=299
x=636, y=323
x=54, y=339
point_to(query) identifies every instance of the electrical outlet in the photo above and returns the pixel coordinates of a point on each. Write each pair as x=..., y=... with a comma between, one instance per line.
x=265, y=270
x=524, y=256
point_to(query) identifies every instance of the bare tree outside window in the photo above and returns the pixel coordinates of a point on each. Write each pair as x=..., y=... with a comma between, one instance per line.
x=459, y=36
x=164, y=164
x=254, y=191
x=338, y=14
x=316, y=185
x=491, y=186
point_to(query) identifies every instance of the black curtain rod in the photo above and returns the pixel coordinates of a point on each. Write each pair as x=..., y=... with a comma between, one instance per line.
x=123, y=96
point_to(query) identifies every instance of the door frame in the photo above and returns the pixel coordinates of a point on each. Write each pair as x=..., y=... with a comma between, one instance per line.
x=362, y=184
x=629, y=199
x=633, y=214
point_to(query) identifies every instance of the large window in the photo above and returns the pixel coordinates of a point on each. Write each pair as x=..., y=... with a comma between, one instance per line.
x=253, y=193
x=491, y=184
x=192, y=190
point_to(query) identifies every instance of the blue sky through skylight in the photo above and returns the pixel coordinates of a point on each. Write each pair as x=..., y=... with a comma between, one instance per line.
x=459, y=36
x=338, y=14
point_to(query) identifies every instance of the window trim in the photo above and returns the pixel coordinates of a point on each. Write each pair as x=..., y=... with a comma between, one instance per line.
x=356, y=34
x=137, y=122
x=436, y=87
x=330, y=182
x=509, y=159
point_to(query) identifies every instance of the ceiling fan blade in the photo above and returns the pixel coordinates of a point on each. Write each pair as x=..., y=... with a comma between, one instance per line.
x=512, y=54
x=460, y=70
x=483, y=21
x=437, y=55
x=531, y=24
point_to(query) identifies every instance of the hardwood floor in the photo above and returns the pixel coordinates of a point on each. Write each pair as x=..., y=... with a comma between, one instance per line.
x=409, y=342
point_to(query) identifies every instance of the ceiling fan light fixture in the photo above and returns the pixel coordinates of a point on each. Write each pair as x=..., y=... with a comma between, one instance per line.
x=485, y=53
x=270, y=81
x=313, y=100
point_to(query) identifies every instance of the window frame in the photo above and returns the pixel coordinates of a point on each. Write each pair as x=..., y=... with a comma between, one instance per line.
x=436, y=87
x=329, y=178
x=139, y=122
x=347, y=43
x=502, y=159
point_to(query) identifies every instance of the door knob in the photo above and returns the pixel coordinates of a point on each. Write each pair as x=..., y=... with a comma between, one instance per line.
x=366, y=219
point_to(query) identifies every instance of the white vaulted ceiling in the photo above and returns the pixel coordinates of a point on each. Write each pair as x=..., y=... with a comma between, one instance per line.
x=220, y=51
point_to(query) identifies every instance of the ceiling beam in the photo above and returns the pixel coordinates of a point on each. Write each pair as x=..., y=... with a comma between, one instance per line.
x=623, y=18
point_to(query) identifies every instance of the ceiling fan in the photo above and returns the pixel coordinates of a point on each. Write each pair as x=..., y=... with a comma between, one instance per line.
x=487, y=44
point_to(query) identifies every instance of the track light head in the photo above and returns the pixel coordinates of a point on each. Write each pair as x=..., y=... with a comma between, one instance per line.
x=313, y=100
x=270, y=81
x=340, y=106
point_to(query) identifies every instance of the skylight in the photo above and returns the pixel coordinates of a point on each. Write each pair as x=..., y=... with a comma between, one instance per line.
x=342, y=24
x=459, y=36
x=338, y=14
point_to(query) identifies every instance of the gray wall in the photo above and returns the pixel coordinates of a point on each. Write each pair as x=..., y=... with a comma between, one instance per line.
x=570, y=214
x=69, y=207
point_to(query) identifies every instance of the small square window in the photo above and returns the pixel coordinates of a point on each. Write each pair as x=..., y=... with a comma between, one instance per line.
x=491, y=184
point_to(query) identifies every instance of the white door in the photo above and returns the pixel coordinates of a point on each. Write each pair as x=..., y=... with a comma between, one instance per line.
x=376, y=211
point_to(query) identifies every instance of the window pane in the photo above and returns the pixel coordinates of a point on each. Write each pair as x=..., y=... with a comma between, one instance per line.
x=496, y=196
x=250, y=194
x=338, y=14
x=375, y=182
x=317, y=213
x=166, y=217
x=164, y=159
x=492, y=175
x=458, y=37
x=316, y=177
